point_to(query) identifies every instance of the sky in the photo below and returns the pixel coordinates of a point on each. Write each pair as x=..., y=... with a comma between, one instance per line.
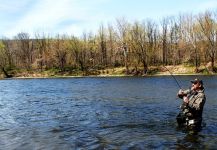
x=74, y=17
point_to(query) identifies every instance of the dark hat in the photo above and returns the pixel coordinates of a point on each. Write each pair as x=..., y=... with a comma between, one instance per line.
x=195, y=81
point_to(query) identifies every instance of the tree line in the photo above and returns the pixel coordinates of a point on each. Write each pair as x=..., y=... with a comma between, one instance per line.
x=184, y=39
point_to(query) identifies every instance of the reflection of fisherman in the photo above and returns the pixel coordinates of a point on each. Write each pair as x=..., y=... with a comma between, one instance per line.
x=192, y=107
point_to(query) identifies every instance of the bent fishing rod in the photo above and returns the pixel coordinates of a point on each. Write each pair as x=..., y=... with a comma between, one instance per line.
x=173, y=77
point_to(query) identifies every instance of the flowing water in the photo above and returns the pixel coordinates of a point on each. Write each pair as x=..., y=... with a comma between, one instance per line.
x=101, y=113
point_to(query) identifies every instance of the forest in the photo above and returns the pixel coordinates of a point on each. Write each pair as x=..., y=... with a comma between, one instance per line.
x=184, y=39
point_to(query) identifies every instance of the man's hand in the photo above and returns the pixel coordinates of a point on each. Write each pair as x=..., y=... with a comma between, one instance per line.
x=185, y=99
x=180, y=92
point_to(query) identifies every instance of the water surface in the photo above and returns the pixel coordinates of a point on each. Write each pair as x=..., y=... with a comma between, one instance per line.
x=101, y=113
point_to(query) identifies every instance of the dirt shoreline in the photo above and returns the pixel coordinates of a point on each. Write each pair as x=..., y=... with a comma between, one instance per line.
x=179, y=70
x=104, y=76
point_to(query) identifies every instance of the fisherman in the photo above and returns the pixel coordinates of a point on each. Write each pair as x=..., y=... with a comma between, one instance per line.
x=192, y=107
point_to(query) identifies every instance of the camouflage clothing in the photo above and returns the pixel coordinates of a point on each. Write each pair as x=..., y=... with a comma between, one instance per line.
x=191, y=112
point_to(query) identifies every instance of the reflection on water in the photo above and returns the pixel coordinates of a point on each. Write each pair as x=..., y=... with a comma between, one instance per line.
x=100, y=113
x=191, y=141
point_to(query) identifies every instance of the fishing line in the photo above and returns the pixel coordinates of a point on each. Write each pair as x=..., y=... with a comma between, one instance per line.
x=173, y=77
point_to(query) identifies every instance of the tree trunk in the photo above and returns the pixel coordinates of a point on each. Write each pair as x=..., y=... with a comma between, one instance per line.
x=6, y=74
x=145, y=67
x=212, y=64
x=196, y=62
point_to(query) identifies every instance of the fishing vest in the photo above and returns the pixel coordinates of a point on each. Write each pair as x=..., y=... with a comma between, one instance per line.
x=194, y=108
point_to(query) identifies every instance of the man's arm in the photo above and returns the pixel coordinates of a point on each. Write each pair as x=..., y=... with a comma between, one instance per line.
x=183, y=93
x=198, y=102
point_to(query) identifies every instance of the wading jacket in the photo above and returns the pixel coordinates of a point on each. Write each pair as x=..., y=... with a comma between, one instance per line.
x=194, y=108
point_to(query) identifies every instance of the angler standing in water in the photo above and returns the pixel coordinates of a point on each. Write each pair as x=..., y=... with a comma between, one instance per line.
x=192, y=107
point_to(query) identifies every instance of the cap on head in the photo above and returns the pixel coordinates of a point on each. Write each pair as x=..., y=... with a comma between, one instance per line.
x=195, y=81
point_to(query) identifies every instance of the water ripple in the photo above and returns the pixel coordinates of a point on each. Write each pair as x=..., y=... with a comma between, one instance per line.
x=99, y=113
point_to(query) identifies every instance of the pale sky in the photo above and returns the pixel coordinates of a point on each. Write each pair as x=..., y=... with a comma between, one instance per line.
x=76, y=16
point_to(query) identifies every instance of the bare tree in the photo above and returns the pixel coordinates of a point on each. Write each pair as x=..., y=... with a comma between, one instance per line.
x=165, y=24
x=111, y=45
x=41, y=48
x=139, y=44
x=174, y=53
x=192, y=35
x=103, y=47
x=150, y=29
x=209, y=30
x=60, y=52
x=8, y=51
x=3, y=59
x=123, y=35
x=25, y=46
x=77, y=50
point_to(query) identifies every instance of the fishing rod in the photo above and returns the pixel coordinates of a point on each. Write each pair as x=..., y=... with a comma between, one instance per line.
x=173, y=77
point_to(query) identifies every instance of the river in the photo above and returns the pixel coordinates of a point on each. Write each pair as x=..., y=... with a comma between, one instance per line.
x=101, y=113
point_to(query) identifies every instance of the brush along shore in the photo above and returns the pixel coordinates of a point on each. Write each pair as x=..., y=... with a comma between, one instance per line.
x=112, y=72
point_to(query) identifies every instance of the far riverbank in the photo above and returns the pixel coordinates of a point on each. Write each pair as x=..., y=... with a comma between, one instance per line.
x=111, y=72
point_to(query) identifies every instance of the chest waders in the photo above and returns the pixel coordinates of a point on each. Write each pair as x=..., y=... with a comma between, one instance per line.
x=187, y=117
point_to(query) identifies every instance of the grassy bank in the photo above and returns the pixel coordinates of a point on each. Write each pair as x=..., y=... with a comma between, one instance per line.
x=120, y=71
